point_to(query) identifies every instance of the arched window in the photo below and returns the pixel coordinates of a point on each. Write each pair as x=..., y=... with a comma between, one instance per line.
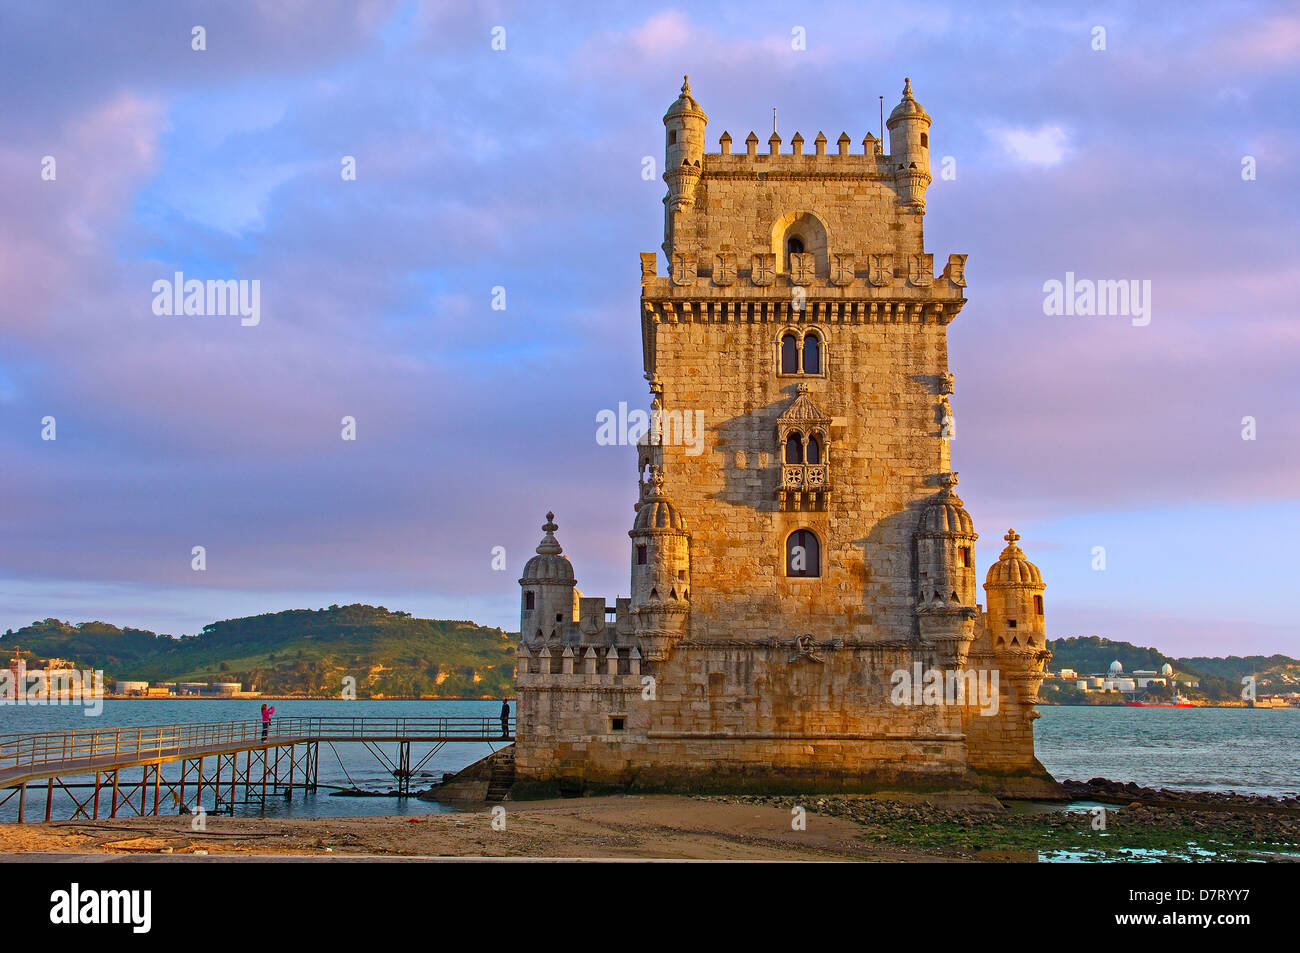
x=790, y=354
x=814, y=450
x=802, y=554
x=793, y=449
x=801, y=351
x=812, y=360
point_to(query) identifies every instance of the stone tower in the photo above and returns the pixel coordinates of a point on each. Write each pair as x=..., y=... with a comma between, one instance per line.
x=801, y=331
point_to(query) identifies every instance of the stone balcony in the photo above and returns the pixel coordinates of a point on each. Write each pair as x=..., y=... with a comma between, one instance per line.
x=804, y=476
x=802, y=483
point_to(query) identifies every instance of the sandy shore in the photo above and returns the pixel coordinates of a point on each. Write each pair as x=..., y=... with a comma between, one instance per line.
x=958, y=827
x=611, y=827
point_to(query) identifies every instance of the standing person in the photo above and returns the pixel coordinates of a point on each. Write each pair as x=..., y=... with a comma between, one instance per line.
x=266, y=719
x=505, y=718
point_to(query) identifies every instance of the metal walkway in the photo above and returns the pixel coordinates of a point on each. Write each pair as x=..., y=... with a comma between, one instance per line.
x=287, y=757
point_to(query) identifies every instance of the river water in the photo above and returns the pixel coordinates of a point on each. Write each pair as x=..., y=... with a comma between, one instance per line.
x=1229, y=749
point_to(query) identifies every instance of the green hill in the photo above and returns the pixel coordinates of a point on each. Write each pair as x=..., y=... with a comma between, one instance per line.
x=297, y=651
x=1094, y=654
x=1219, y=678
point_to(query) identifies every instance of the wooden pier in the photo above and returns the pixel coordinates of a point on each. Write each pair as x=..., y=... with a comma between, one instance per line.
x=221, y=764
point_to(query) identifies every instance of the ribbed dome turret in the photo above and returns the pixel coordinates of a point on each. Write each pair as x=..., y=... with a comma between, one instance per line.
x=685, y=104
x=909, y=108
x=946, y=513
x=550, y=564
x=657, y=510
x=1012, y=567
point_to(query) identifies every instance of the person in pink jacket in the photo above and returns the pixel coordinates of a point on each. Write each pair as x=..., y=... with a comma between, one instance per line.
x=266, y=719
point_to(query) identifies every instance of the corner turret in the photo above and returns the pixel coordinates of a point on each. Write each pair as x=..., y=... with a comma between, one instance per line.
x=684, y=129
x=945, y=563
x=661, y=570
x=549, y=598
x=1014, y=589
x=909, y=149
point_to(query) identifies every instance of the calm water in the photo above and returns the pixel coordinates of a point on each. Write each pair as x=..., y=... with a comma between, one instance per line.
x=1248, y=750
x=1245, y=750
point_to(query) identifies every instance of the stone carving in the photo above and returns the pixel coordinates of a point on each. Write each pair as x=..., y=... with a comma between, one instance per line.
x=802, y=268
x=841, y=270
x=724, y=268
x=764, y=269
x=880, y=272
x=683, y=269
x=921, y=270
x=806, y=648
x=955, y=271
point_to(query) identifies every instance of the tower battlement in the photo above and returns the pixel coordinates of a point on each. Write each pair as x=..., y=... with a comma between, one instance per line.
x=868, y=162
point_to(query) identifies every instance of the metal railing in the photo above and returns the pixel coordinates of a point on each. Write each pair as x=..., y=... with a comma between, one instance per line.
x=57, y=748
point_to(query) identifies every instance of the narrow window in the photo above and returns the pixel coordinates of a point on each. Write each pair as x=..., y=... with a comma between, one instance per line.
x=963, y=556
x=925, y=140
x=672, y=137
x=1011, y=623
x=1038, y=604
x=812, y=363
x=793, y=247
x=529, y=600
x=617, y=723
x=640, y=554
x=793, y=449
x=560, y=618
x=814, y=450
x=789, y=354
x=802, y=554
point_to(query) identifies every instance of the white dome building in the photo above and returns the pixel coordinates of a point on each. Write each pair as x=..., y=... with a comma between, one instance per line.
x=1116, y=668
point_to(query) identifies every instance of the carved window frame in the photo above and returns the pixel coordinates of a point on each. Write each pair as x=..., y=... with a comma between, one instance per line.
x=800, y=333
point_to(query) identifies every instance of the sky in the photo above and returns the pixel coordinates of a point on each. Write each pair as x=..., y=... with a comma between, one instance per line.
x=1162, y=148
